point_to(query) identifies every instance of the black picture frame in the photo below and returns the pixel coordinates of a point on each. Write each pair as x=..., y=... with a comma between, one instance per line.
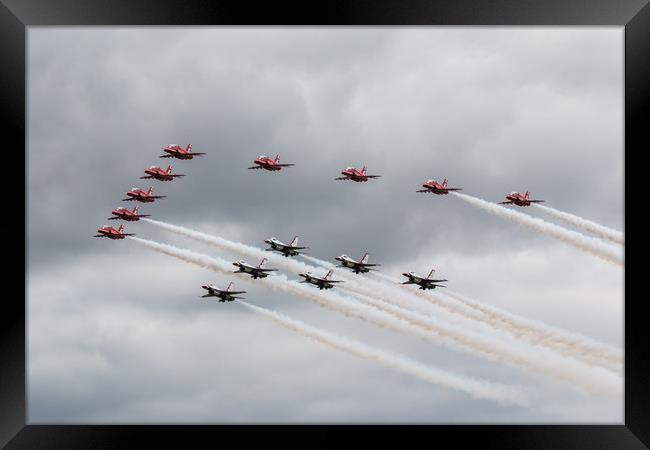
x=17, y=15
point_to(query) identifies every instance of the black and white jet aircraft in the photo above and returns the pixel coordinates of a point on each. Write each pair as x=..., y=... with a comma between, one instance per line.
x=322, y=283
x=224, y=295
x=287, y=250
x=255, y=272
x=361, y=266
x=424, y=283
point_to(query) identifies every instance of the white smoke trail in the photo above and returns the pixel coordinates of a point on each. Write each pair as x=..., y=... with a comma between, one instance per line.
x=476, y=387
x=432, y=324
x=231, y=246
x=402, y=297
x=317, y=261
x=537, y=333
x=385, y=277
x=587, y=225
x=543, y=362
x=586, y=243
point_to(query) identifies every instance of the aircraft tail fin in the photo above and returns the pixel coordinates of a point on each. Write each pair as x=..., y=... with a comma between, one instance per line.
x=229, y=286
x=277, y=158
x=189, y=148
x=169, y=169
x=120, y=228
x=150, y=190
x=430, y=274
x=135, y=210
x=444, y=182
x=262, y=263
x=526, y=195
x=294, y=242
x=364, y=259
x=363, y=170
x=329, y=274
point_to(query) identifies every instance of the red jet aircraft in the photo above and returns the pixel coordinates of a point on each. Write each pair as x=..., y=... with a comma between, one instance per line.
x=160, y=174
x=124, y=214
x=178, y=152
x=266, y=163
x=139, y=195
x=519, y=199
x=437, y=188
x=112, y=233
x=351, y=173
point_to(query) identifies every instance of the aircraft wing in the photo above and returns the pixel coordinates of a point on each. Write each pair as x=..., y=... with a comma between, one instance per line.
x=208, y=295
x=423, y=190
x=266, y=270
x=454, y=189
x=342, y=178
x=287, y=248
x=130, y=199
x=112, y=218
x=177, y=175
x=99, y=235
x=128, y=234
x=235, y=292
x=144, y=215
x=285, y=165
x=146, y=178
x=373, y=176
x=167, y=156
x=256, y=167
x=536, y=201
x=368, y=265
x=157, y=196
x=505, y=203
x=333, y=281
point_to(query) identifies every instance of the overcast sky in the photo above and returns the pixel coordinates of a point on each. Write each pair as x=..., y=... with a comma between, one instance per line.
x=118, y=333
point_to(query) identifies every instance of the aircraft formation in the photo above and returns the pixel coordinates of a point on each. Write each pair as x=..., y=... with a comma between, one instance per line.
x=267, y=163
